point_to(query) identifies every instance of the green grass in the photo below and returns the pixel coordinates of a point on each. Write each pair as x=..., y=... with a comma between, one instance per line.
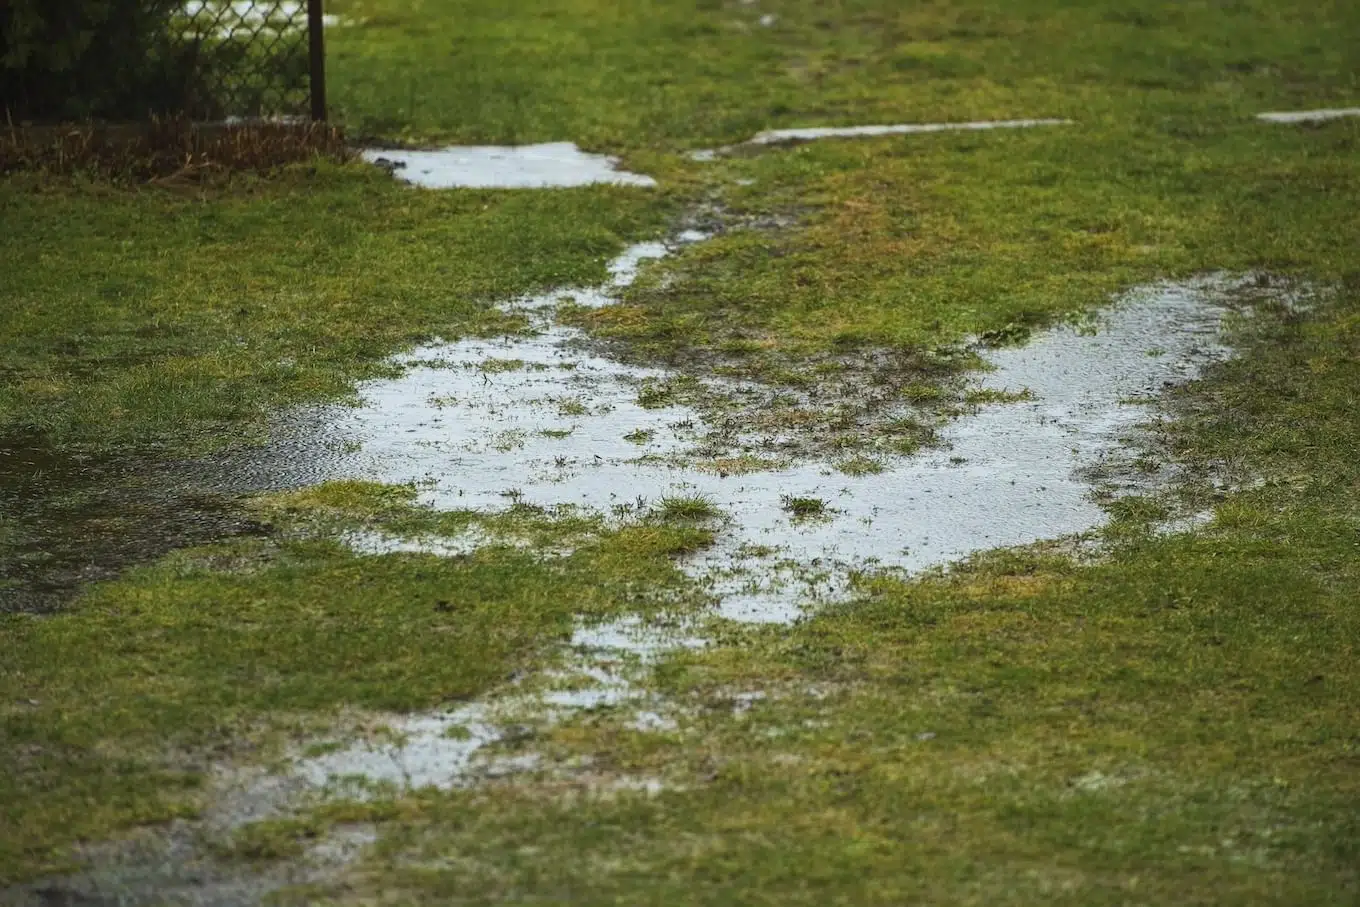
x=685, y=75
x=142, y=318
x=686, y=508
x=920, y=241
x=860, y=466
x=803, y=508
x=1173, y=723
x=228, y=646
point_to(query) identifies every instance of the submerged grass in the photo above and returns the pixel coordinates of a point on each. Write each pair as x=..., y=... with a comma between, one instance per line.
x=804, y=508
x=1174, y=723
x=686, y=508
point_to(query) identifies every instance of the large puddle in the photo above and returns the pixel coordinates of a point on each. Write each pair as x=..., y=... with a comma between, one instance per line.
x=545, y=420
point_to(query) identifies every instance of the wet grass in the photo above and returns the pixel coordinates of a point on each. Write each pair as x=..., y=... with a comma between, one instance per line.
x=148, y=319
x=272, y=839
x=860, y=466
x=804, y=508
x=1174, y=723
x=229, y=648
x=686, y=508
x=692, y=75
x=922, y=241
x=916, y=240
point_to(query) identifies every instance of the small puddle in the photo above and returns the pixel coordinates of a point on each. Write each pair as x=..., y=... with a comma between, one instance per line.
x=1309, y=116
x=166, y=866
x=812, y=133
x=553, y=165
x=67, y=520
x=558, y=165
x=601, y=670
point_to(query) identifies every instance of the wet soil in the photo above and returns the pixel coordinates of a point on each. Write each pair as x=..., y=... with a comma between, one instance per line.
x=68, y=520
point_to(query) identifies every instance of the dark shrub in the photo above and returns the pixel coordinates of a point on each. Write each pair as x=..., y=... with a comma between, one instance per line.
x=102, y=59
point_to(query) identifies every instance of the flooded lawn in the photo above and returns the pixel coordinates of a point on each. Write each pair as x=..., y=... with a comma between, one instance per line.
x=543, y=420
x=548, y=420
x=909, y=457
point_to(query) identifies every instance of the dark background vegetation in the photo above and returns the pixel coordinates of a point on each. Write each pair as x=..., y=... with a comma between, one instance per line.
x=78, y=59
x=134, y=60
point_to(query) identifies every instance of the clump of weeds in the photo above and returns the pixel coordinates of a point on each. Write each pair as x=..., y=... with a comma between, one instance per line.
x=804, y=508
x=690, y=508
x=860, y=466
x=983, y=396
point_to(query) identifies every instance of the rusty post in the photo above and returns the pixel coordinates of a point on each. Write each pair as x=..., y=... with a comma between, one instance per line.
x=316, y=46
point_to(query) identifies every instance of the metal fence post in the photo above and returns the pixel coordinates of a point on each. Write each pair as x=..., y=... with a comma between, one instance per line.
x=317, y=51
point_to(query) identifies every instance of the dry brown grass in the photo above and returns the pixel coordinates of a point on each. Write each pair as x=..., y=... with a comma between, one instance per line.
x=166, y=152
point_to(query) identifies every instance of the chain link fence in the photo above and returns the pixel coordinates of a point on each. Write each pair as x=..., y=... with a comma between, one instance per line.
x=168, y=91
x=131, y=60
x=255, y=58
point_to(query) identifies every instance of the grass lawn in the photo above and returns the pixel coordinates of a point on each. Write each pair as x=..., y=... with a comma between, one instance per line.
x=1173, y=721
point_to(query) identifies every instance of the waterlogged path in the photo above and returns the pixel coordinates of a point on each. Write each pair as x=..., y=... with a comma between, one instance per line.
x=544, y=420
x=549, y=418
x=541, y=419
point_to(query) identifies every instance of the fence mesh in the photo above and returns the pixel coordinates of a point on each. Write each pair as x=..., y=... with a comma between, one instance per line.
x=252, y=55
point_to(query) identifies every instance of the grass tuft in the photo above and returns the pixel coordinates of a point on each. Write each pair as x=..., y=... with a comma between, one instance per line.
x=804, y=508
x=860, y=466
x=694, y=507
